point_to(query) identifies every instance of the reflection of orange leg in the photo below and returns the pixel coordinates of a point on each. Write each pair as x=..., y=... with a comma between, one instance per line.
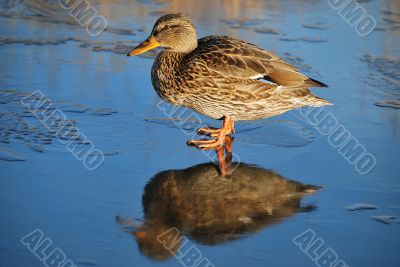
x=224, y=154
x=221, y=160
x=228, y=148
x=218, y=135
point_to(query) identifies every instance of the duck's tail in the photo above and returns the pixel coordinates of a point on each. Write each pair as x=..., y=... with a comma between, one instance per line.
x=313, y=100
x=309, y=99
x=301, y=96
x=314, y=83
x=308, y=189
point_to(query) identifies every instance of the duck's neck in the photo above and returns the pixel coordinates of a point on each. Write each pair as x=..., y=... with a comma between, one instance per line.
x=185, y=41
x=165, y=76
x=185, y=46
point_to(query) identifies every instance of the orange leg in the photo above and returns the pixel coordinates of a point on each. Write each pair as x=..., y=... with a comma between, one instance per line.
x=217, y=135
x=208, y=131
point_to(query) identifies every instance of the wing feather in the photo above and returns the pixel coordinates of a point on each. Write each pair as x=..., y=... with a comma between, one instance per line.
x=234, y=58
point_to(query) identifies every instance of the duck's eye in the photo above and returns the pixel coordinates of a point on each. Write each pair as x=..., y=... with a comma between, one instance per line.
x=170, y=27
x=166, y=28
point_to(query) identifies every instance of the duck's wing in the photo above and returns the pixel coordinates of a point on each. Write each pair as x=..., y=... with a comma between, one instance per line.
x=233, y=58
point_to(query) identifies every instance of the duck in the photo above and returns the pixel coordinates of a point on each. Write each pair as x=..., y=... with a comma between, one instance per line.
x=199, y=204
x=223, y=78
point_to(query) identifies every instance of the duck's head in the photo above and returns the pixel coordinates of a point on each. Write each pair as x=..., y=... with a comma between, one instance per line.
x=174, y=32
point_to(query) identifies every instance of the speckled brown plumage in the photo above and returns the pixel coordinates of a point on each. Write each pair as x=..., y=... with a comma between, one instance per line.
x=211, y=209
x=219, y=76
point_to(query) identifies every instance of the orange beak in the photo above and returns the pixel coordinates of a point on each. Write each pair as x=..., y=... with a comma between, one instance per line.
x=146, y=45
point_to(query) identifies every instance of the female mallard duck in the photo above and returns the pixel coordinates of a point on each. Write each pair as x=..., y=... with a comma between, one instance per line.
x=222, y=77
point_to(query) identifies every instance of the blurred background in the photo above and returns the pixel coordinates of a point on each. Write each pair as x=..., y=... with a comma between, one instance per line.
x=94, y=217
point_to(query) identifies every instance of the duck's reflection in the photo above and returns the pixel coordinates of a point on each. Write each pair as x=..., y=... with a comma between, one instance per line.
x=212, y=209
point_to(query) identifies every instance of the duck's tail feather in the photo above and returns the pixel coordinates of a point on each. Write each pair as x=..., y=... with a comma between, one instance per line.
x=314, y=83
x=301, y=96
x=313, y=100
x=308, y=189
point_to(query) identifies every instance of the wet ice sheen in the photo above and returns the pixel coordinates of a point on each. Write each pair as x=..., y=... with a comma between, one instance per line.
x=110, y=96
